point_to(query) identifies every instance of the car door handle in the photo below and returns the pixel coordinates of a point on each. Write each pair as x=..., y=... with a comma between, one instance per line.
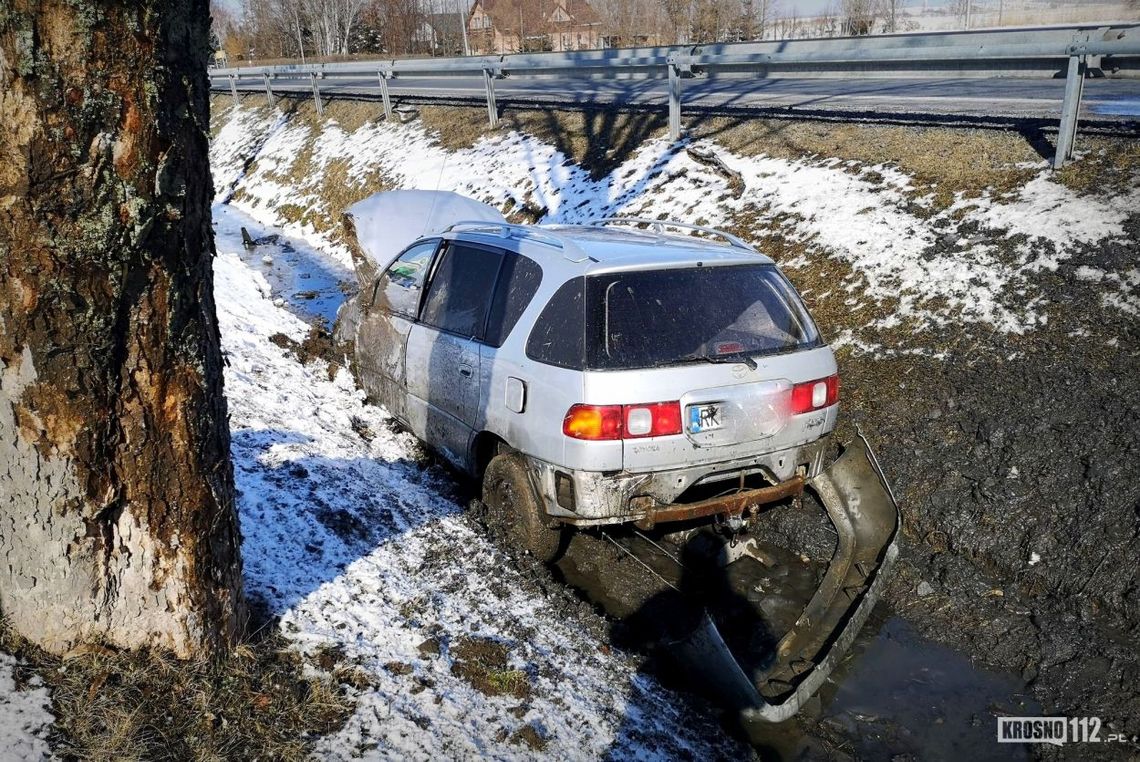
x=466, y=371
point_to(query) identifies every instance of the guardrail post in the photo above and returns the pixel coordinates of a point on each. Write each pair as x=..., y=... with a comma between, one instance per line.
x=492, y=108
x=384, y=95
x=233, y=89
x=316, y=94
x=674, y=102
x=1070, y=110
x=268, y=90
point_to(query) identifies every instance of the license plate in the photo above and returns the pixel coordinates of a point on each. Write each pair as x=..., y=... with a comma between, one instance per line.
x=704, y=418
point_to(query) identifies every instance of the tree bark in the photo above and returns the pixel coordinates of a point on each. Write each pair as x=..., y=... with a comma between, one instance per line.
x=117, y=520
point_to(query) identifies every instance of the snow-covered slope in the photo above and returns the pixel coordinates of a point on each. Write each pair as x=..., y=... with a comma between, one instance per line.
x=922, y=268
x=361, y=548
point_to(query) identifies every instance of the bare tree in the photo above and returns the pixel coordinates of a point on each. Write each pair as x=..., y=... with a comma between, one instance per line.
x=891, y=10
x=858, y=16
x=117, y=520
x=766, y=11
x=633, y=22
x=330, y=22
x=677, y=14
x=788, y=25
x=827, y=23
x=401, y=21
x=961, y=10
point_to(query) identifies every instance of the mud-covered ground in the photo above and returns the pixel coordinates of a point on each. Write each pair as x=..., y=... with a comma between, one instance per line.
x=1016, y=462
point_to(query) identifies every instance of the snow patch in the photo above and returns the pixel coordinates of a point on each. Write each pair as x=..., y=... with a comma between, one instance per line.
x=920, y=271
x=25, y=715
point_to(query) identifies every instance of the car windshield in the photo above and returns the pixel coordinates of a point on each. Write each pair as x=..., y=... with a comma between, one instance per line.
x=650, y=318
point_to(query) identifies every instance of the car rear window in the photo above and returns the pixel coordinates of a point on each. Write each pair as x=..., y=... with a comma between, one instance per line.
x=650, y=318
x=654, y=318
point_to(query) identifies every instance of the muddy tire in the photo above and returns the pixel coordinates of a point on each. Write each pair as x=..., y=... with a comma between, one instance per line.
x=514, y=510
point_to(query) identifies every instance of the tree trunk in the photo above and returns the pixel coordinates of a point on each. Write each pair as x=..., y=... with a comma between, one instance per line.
x=117, y=521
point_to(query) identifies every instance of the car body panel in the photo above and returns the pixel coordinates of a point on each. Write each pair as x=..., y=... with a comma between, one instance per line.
x=443, y=389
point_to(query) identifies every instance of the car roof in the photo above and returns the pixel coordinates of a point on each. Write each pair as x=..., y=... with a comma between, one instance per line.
x=589, y=249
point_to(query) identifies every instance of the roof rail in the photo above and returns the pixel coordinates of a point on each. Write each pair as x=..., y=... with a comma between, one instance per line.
x=505, y=230
x=658, y=226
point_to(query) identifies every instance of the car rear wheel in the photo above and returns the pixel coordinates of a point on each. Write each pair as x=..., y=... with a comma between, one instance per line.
x=514, y=510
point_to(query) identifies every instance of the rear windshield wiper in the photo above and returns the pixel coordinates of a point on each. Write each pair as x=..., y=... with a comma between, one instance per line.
x=724, y=359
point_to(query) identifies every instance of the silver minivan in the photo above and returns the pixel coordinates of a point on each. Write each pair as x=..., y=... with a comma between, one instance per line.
x=629, y=371
x=623, y=373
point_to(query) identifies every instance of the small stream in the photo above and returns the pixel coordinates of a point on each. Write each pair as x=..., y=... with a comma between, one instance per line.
x=309, y=283
x=896, y=693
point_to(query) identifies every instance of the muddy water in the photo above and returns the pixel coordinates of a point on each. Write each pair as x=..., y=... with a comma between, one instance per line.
x=897, y=693
x=901, y=693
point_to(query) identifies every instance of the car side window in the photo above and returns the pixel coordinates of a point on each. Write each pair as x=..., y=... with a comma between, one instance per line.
x=460, y=290
x=398, y=289
x=518, y=282
x=558, y=335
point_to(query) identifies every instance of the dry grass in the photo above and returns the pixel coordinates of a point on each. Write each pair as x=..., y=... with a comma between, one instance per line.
x=1105, y=166
x=942, y=160
x=332, y=183
x=483, y=663
x=456, y=127
x=255, y=703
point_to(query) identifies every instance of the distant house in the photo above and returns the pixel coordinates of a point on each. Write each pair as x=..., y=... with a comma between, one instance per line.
x=423, y=38
x=512, y=26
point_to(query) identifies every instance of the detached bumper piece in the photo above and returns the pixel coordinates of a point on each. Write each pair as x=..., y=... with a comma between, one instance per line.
x=865, y=515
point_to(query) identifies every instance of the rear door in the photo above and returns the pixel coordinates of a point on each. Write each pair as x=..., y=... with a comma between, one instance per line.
x=389, y=312
x=727, y=343
x=442, y=365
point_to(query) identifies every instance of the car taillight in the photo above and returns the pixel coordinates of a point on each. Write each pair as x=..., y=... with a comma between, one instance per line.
x=606, y=422
x=593, y=422
x=813, y=395
x=657, y=419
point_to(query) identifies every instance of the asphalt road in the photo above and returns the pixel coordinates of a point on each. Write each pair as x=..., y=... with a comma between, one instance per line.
x=1105, y=100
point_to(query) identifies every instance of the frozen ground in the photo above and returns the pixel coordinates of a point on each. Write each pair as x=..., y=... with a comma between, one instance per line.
x=25, y=714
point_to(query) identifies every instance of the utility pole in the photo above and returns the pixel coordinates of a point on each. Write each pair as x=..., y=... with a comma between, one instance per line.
x=462, y=25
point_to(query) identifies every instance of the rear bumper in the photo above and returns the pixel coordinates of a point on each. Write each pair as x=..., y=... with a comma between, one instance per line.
x=735, y=504
x=611, y=498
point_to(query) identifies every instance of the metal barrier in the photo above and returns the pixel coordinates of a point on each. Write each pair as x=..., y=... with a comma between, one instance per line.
x=1072, y=52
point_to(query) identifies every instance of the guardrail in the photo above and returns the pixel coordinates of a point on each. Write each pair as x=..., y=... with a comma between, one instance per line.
x=1072, y=52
